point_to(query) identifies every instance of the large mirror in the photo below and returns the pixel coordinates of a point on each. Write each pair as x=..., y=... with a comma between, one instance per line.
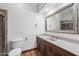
x=63, y=21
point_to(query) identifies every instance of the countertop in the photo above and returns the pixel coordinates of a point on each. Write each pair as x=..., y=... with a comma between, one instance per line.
x=67, y=45
x=71, y=37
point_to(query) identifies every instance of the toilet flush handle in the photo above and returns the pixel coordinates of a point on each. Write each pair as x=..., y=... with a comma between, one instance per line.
x=26, y=38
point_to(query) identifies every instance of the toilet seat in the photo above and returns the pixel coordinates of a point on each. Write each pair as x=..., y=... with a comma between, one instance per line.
x=15, y=52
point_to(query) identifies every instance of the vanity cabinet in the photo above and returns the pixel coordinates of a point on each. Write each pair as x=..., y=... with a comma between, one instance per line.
x=48, y=49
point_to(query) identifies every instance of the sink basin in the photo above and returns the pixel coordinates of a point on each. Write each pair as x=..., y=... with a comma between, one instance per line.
x=52, y=39
x=48, y=37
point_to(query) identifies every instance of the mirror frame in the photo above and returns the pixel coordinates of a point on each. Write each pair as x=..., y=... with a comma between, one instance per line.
x=75, y=16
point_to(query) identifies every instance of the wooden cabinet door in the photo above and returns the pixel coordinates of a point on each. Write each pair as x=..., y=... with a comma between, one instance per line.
x=41, y=45
x=61, y=52
x=38, y=44
x=49, y=49
x=42, y=49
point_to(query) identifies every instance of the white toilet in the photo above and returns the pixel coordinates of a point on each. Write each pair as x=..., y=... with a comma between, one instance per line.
x=16, y=46
x=15, y=52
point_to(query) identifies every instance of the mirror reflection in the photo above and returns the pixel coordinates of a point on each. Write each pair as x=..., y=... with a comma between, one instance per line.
x=63, y=21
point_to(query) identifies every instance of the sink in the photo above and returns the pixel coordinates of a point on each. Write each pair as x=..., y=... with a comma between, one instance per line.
x=52, y=39
x=49, y=37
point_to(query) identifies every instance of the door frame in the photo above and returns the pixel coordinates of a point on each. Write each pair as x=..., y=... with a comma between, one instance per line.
x=3, y=12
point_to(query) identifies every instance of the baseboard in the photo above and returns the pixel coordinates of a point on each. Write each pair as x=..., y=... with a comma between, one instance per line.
x=28, y=50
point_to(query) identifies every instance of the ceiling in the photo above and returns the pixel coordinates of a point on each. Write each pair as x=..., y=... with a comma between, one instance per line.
x=41, y=6
x=37, y=6
x=47, y=8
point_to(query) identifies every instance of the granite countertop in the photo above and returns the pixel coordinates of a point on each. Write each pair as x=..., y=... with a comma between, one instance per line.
x=70, y=46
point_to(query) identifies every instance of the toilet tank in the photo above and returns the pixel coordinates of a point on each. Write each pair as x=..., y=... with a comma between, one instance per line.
x=17, y=43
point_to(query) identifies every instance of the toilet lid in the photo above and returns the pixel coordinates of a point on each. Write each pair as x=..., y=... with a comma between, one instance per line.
x=15, y=52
